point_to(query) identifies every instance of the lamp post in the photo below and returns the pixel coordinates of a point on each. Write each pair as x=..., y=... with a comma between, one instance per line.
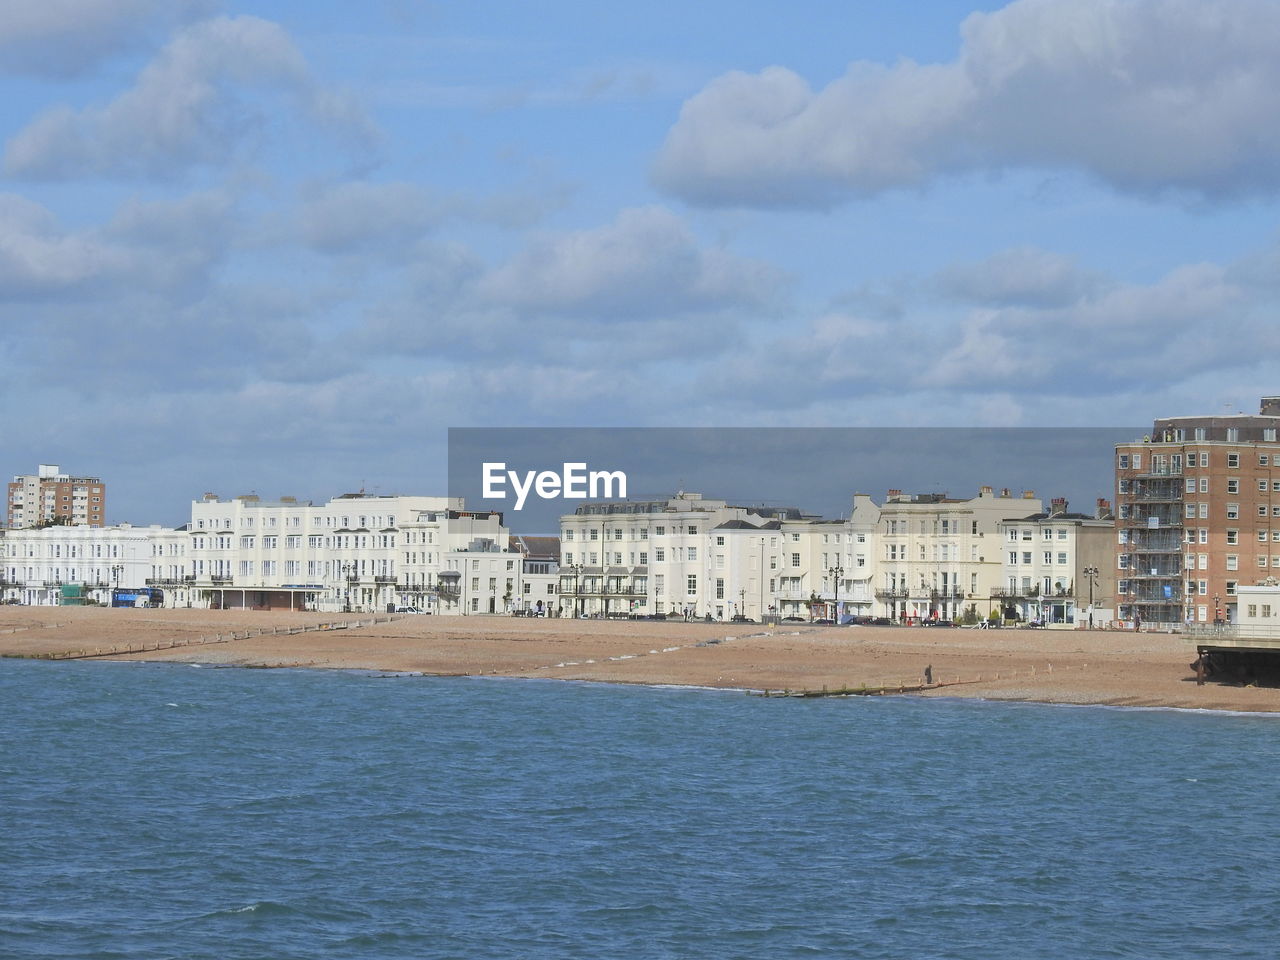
x=1217, y=610
x=836, y=573
x=1091, y=573
x=347, y=570
x=116, y=571
x=577, y=593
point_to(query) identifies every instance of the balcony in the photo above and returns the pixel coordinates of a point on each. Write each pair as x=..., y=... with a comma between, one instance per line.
x=381, y=579
x=893, y=593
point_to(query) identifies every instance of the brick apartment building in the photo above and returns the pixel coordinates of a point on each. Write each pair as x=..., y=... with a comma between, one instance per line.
x=49, y=494
x=1197, y=514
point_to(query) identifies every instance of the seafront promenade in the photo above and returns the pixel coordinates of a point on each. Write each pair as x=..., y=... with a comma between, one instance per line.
x=1081, y=667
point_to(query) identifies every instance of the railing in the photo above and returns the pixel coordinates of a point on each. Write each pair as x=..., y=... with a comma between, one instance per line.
x=384, y=579
x=894, y=594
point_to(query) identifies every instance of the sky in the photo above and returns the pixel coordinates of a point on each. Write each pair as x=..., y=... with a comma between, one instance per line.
x=281, y=247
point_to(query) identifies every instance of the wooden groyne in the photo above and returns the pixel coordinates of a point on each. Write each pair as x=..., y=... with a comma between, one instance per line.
x=127, y=649
x=882, y=688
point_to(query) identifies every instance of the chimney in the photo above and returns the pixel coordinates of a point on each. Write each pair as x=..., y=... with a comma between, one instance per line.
x=1057, y=506
x=1270, y=407
x=1028, y=494
x=984, y=491
x=1004, y=492
x=894, y=494
x=210, y=498
x=1104, y=509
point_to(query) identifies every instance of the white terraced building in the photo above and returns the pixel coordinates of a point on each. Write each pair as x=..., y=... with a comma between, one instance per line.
x=353, y=553
x=939, y=555
x=694, y=556
x=81, y=563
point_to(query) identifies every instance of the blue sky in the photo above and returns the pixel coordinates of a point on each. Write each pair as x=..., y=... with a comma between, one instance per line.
x=282, y=246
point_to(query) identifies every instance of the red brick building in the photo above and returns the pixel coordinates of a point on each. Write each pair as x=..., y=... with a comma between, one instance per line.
x=49, y=495
x=1197, y=514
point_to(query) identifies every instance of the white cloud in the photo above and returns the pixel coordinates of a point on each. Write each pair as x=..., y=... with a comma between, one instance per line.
x=62, y=38
x=192, y=105
x=647, y=263
x=1147, y=95
x=1021, y=275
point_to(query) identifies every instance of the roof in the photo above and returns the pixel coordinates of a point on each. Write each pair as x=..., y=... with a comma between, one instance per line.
x=536, y=548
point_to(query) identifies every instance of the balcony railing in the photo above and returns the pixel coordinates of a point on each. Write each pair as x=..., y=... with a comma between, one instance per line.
x=895, y=593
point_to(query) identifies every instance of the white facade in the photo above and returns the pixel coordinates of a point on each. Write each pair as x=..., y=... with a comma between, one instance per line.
x=660, y=557
x=353, y=553
x=938, y=556
x=1058, y=568
x=37, y=564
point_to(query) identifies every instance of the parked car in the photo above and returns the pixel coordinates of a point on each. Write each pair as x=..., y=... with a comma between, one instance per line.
x=792, y=620
x=937, y=623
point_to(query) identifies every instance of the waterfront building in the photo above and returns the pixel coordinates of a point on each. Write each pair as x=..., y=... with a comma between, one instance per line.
x=51, y=496
x=1197, y=515
x=656, y=557
x=940, y=556
x=354, y=553
x=1058, y=567
x=76, y=564
x=539, y=575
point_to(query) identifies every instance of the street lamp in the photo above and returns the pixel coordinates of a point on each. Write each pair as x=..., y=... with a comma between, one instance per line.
x=347, y=570
x=577, y=569
x=1217, y=610
x=836, y=573
x=1091, y=573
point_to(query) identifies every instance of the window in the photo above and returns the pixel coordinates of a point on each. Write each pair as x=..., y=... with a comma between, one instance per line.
x=1269, y=434
x=1263, y=459
x=659, y=554
x=568, y=533
x=1233, y=536
x=1204, y=457
x=693, y=585
x=692, y=530
x=1233, y=434
x=1233, y=460
x=795, y=559
x=659, y=531
x=1233, y=511
x=1013, y=557
x=594, y=534
x=693, y=553
x=1204, y=511
x=1137, y=461
x=1202, y=587
x=719, y=588
x=1062, y=558
x=1026, y=556
x=1231, y=587
x=1048, y=556
x=1233, y=561
x=719, y=541
x=1204, y=484
x=1124, y=461
x=1233, y=486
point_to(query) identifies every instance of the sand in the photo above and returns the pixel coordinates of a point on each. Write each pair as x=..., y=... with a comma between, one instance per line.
x=1052, y=666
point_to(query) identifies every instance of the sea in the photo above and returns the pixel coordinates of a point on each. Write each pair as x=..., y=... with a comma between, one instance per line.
x=155, y=811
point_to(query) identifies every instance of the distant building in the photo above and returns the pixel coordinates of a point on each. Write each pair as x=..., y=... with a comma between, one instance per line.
x=940, y=555
x=1197, y=515
x=50, y=496
x=1059, y=567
